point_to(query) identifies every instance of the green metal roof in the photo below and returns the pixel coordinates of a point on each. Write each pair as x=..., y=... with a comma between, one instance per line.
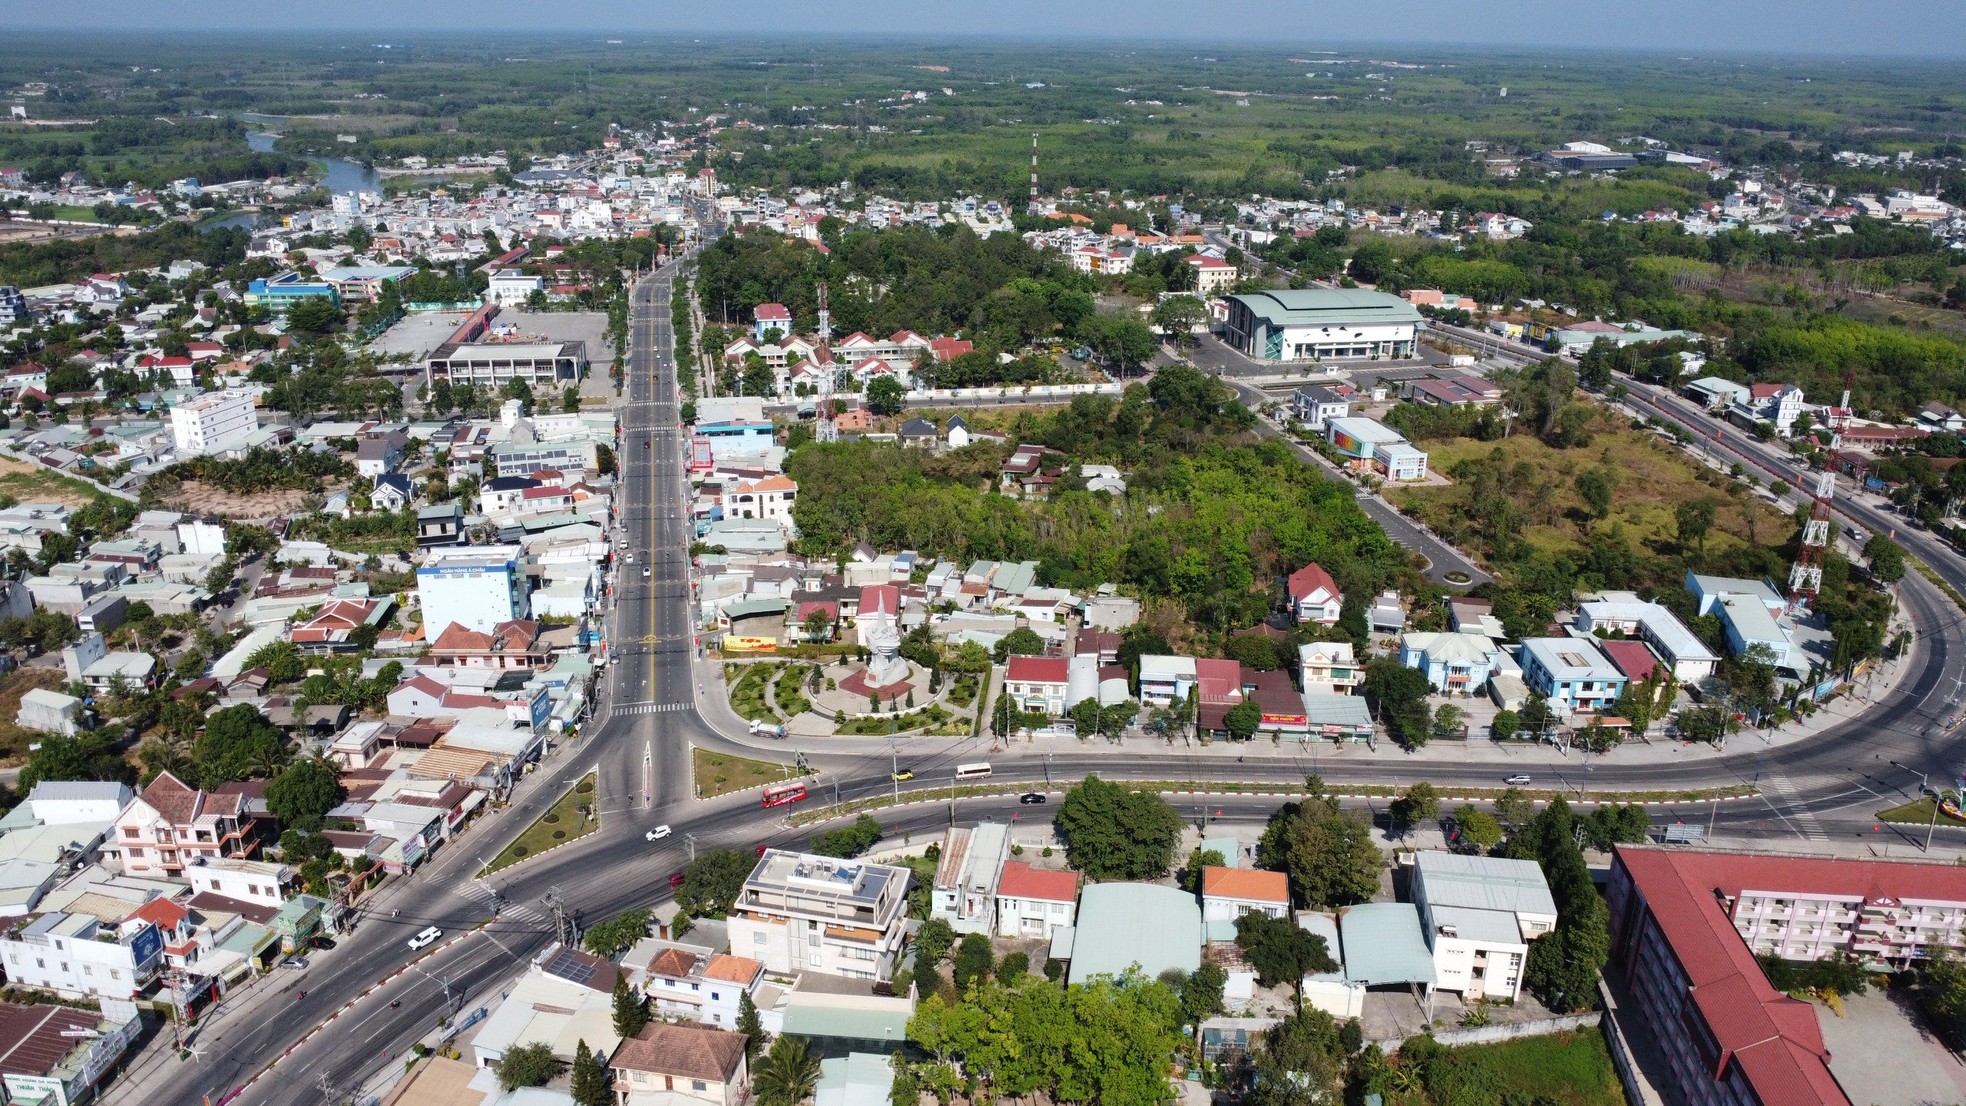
x=1147, y=924
x=1327, y=307
x=849, y=1024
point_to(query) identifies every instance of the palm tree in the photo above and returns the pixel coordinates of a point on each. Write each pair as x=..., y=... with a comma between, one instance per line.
x=787, y=1075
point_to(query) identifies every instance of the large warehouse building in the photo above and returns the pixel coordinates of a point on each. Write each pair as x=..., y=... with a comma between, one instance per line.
x=1318, y=324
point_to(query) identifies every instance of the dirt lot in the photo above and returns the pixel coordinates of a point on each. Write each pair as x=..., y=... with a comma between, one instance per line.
x=30, y=483
x=202, y=499
x=14, y=739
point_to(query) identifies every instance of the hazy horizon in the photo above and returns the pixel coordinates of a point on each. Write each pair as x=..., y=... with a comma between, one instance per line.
x=1934, y=29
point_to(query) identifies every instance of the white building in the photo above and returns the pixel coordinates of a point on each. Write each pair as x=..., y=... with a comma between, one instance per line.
x=1479, y=914
x=966, y=876
x=1686, y=656
x=768, y=498
x=800, y=912
x=1033, y=902
x=692, y=982
x=1316, y=324
x=1229, y=893
x=259, y=882
x=212, y=422
x=1572, y=673
x=512, y=286
x=475, y=586
x=50, y=712
x=79, y=955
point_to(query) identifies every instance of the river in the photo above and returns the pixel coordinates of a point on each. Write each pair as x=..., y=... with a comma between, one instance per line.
x=342, y=175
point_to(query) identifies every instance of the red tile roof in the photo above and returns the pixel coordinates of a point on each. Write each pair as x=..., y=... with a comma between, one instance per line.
x=692, y=1052
x=1248, y=884
x=1633, y=658
x=1037, y=670
x=1775, y=1039
x=1021, y=881
x=1306, y=581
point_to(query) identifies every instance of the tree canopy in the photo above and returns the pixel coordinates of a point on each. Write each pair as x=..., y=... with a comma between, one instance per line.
x=1111, y=832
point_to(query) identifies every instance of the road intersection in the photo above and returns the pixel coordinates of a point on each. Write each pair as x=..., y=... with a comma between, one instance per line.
x=659, y=699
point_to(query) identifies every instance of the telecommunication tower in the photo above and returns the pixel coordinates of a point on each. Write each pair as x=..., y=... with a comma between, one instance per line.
x=1806, y=578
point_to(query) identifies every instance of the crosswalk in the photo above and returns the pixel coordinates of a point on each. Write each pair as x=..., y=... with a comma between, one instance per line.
x=1800, y=818
x=651, y=708
x=507, y=909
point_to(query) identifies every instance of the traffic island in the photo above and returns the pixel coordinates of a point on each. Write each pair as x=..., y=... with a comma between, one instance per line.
x=571, y=817
x=721, y=773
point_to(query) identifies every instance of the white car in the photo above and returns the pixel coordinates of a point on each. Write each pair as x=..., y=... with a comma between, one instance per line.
x=1517, y=778
x=426, y=938
x=645, y=573
x=630, y=559
x=657, y=834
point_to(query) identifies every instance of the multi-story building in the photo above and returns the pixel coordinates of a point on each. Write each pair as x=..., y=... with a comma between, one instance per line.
x=1685, y=655
x=1321, y=324
x=1686, y=927
x=1454, y=663
x=800, y=912
x=1314, y=595
x=254, y=881
x=13, y=307
x=78, y=955
x=1038, y=684
x=1316, y=405
x=1212, y=274
x=280, y=292
x=493, y=365
x=212, y=422
x=477, y=587
x=1165, y=679
x=1032, y=902
x=1229, y=893
x=696, y=984
x=666, y=1064
x=1571, y=672
x=967, y=874
x=1479, y=914
x=1327, y=667
x=170, y=824
x=769, y=498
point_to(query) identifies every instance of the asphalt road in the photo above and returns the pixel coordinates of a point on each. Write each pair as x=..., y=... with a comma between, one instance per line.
x=1823, y=787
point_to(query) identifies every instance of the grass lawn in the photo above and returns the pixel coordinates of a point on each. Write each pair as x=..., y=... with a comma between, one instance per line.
x=720, y=773
x=929, y=718
x=1653, y=477
x=29, y=483
x=747, y=695
x=1918, y=812
x=561, y=823
x=1573, y=1069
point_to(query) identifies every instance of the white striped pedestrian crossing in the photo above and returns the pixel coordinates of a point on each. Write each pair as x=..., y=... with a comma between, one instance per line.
x=506, y=909
x=1802, y=819
x=651, y=708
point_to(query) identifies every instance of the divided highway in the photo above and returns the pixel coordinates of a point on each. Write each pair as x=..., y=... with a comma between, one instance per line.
x=650, y=716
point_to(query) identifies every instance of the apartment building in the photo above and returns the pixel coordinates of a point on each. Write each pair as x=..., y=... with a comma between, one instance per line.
x=1328, y=667
x=212, y=422
x=171, y=824
x=80, y=955
x=1479, y=914
x=800, y=912
x=1677, y=931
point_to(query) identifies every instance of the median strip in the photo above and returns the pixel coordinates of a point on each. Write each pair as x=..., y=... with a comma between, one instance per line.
x=1279, y=791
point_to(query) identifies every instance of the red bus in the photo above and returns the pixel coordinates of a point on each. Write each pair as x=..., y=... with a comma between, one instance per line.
x=779, y=794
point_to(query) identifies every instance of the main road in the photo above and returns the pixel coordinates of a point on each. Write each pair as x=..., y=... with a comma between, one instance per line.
x=345, y=1030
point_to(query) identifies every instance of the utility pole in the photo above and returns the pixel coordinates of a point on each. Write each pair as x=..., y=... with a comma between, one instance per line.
x=1047, y=770
x=894, y=769
x=327, y=1089
x=565, y=929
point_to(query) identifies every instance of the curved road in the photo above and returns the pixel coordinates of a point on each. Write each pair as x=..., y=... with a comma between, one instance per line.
x=1826, y=785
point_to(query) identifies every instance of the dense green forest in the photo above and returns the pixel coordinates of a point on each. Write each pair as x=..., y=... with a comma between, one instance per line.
x=1211, y=517
x=32, y=265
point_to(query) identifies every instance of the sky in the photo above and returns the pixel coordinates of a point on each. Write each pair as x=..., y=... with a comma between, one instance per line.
x=1932, y=28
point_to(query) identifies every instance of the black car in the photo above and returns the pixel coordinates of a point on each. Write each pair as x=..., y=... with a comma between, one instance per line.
x=1033, y=798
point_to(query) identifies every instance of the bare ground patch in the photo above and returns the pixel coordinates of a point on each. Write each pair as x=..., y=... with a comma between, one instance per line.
x=203, y=499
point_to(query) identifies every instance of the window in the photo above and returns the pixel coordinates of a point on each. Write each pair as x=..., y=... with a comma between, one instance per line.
x=40, y=963
x=813, y=960
x=698, y=1085
x=757, y=938
x=134, y=851
x=129, y=831
x=115, y=973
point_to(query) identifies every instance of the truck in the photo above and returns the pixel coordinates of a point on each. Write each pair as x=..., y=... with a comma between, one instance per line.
x=766, y=729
